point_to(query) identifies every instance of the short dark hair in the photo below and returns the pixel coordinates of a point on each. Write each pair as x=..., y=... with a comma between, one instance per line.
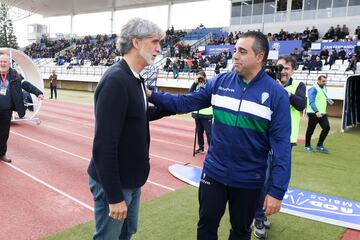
x=321, y=76
x=288, y=59
x=202, y=73
x=261, y=43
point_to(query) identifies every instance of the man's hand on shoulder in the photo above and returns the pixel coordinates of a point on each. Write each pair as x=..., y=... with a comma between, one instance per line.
x=148, y=92
x=118, y=210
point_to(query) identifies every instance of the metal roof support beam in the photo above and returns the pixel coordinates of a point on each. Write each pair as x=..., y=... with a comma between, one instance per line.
x=112, y=17
x=112, y=21
x=71, y=23
x=169, y=14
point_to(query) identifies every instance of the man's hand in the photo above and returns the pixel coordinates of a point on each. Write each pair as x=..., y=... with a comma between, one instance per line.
x=40, y=97
x=148, y=92
x=318, y=114
x=289, y=93
x=118, y=210
x=271, y=205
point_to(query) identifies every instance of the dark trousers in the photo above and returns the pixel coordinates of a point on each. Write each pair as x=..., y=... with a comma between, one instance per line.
x=53, y=89
x=202, y=125
x=213, y=197
x=313, y=120
x=5, y=119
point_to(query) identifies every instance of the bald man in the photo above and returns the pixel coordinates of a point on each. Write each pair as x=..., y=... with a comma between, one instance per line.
x=11, y=99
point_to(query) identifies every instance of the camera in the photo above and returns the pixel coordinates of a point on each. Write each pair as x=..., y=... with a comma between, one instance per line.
x=201, y=80
x=274, y=71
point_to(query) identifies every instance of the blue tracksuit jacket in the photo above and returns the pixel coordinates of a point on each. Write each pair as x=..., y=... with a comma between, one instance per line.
x=249, y=121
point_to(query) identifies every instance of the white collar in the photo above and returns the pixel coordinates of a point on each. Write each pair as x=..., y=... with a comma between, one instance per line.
x=135, y=74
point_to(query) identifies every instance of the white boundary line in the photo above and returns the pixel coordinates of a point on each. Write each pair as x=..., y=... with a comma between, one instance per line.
x=152, y=127
x=50, y=146
x=90, y=138
x=83, y=158
x=51, y=187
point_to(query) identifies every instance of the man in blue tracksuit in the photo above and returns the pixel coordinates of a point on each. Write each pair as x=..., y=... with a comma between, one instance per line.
x=251, y=116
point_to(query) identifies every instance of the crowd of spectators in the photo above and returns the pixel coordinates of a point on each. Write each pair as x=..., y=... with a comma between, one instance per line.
x=47, y=48
x=315, y=62
x=172, y=36
x=307, y=37
x=196, y=62
x=100, y=50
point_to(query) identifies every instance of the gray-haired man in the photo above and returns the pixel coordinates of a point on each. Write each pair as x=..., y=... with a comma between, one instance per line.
x=120, y=162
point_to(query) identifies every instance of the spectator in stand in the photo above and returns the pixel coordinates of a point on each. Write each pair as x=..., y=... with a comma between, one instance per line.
x=306, y=32
x=357, y=31
x=352, y=64
x=314, y=34
x=308, y=64
x=318, y=64
x=330, y=33
x=331, y=58
x=342, y=54
x=206, y=62
x=189, y=63
x=221, y=64
x=344, y=32
x=167, y=65
x=296, y=55
x=337, y=30
x=324, y=54
x=175, y=68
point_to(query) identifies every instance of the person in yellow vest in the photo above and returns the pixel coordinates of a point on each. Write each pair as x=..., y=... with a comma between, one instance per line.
x=316, y=111
x=203, y=117
x=297, y=96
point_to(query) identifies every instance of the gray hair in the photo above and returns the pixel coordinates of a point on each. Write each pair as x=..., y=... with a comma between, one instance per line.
x=137, y=28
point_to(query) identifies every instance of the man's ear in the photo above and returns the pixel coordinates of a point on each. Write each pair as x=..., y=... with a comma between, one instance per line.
x=136, y=43
x=260, y=57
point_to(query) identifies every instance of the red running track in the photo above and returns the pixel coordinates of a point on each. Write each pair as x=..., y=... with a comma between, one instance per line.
x=45, y=189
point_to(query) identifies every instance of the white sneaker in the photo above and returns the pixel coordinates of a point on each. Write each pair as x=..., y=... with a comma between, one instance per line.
x=259, y=229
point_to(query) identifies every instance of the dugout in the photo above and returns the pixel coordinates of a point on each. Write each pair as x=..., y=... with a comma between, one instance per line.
x=351, y=106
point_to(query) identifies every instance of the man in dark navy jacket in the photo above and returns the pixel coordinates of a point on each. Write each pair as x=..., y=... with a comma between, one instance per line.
x=11, y=99
x=120, y=162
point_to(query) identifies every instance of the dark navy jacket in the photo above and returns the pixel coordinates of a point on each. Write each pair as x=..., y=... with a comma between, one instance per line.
x=121, y=142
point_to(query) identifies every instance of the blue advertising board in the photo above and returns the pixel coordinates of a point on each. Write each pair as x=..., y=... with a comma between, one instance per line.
x=315, y=206
x=348, y=47
x=218, y=49
x=323, y=208
x=285, y=47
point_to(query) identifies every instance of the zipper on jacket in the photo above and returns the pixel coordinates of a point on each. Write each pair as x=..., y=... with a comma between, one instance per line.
x=243, y=89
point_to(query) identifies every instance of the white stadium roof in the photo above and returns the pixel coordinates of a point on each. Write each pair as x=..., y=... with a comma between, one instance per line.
x=51, y=8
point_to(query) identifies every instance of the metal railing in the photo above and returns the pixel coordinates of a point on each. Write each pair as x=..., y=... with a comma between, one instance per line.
x=74, y=70
x=202, y=41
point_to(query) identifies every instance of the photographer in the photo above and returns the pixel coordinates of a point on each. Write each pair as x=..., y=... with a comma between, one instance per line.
x=284, y=69
x=203, y=117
